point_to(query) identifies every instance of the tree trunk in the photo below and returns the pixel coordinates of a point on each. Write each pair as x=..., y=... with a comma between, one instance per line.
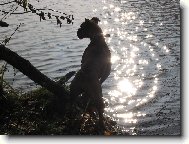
x=29, y=70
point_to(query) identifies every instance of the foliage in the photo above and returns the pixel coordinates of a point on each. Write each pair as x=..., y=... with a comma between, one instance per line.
x=28, y=7
x=36, y=113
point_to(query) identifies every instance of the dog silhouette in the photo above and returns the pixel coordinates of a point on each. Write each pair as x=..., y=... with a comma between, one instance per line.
x=95, y=67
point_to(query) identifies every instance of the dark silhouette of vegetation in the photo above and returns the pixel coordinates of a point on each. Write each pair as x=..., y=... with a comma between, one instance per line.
x=28, y=7
x=3, y=24
x=35, y=113
x=29, y=70
x=20, y=63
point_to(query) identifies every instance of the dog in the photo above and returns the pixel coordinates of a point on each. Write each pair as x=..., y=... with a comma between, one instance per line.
x=95, y=67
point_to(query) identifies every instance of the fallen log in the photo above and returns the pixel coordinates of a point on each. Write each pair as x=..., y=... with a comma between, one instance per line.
x=33, y=73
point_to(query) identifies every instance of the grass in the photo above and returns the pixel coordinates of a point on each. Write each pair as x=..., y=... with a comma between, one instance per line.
x=38, y=112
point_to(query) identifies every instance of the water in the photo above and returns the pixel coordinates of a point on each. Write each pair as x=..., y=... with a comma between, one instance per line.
x=142, y=92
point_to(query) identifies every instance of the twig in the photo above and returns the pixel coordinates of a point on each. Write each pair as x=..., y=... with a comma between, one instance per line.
x=3, y=72
x=9, y=12
x=67, y=17
x=7, y=2
x=6, y=14
x=8, y=39
x=51, y=10
x=11, y=88
x=5, y=65
x=35, y=9
x=15, y=12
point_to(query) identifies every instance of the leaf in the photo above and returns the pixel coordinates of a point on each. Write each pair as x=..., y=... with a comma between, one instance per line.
x=58, y=21
x=3, y=24
x=42, y=16
x=68, y=21
x=107, y=133
x=49, y=15
x=62, y=17
x=6, y=40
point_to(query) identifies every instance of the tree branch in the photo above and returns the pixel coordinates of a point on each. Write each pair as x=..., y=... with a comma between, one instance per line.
x=34, y=74
x=7, y=2
x=8, y=39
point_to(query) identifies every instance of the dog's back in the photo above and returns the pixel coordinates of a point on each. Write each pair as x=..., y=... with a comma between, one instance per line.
x=97, y=56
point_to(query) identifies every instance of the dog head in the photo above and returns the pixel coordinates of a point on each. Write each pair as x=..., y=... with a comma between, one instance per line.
x=89, y=28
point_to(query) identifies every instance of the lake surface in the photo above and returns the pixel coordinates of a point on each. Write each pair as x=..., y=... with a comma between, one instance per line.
x=142, y=92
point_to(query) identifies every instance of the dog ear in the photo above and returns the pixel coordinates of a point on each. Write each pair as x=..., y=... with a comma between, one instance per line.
x=86, y=20
x=95, y=20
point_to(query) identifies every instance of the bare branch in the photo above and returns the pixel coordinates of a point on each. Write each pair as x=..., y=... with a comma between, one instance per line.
x=7, y=2
x=10, y=12
x=29, y=70
x=68, y=18
x=15, y=12
x=8, y=39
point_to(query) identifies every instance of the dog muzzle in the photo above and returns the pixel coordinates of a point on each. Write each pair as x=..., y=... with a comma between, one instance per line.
x=80, y=34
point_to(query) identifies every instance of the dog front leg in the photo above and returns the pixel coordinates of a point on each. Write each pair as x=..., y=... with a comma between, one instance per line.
x=95, y=91
x=105, y=73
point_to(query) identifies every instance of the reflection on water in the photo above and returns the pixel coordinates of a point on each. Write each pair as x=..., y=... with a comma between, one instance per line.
x=143, y=89
x=127, y=65
x=125, y=86
x=135, y=59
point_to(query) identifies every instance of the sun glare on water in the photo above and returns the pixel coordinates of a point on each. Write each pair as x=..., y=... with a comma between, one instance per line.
x=126, y=86
x=132, y=63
